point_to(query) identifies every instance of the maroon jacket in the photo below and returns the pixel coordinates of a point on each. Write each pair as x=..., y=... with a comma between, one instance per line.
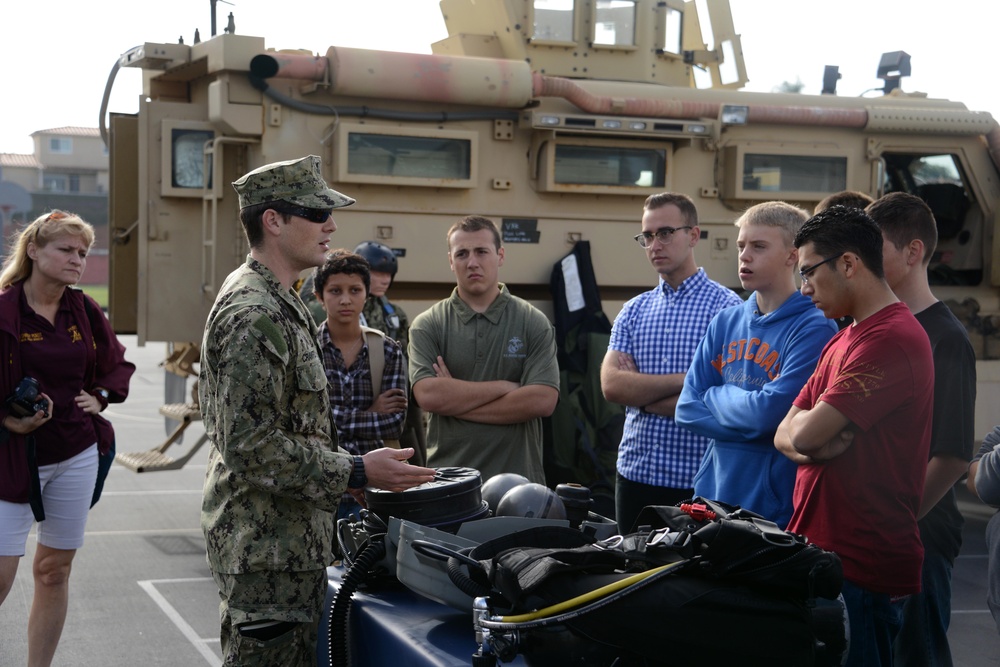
x=106, y=367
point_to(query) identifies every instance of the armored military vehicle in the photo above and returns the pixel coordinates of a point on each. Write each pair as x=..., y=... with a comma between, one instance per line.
x=554, y=117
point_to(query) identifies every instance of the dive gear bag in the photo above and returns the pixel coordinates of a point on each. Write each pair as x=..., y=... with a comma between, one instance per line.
x=739, y=591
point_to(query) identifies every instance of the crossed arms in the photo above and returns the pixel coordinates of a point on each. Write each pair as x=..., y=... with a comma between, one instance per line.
x=818, y=434
x=622, y=383
x=487, y=402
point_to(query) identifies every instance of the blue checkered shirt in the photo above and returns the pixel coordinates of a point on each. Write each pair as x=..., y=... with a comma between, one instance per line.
x=661, y=329
x=351, y=394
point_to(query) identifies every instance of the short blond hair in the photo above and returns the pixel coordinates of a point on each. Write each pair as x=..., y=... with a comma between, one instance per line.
x=786, y=217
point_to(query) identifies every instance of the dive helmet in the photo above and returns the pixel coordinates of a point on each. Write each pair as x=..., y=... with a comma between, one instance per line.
x=496, y=487
x=380, y=258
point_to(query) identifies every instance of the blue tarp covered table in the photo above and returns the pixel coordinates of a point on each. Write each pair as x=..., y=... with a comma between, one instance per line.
x=392, y=625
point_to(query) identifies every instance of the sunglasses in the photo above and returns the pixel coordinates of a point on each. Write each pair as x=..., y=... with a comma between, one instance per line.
x=318, y=215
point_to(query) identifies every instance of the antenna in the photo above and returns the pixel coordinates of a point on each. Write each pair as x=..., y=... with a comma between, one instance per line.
x=232, y=26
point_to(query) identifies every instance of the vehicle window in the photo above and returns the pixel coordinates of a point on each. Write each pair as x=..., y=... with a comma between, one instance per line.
x=396, y=155
x=614, y=23
x=607, y=165
x=938, y=180
x=553, y=21
x=794, y=173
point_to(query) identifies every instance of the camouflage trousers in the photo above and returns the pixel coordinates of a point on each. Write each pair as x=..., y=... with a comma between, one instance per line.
x=270, y=618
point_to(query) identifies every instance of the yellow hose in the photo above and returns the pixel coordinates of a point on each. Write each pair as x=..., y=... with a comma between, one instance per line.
x=595, y=594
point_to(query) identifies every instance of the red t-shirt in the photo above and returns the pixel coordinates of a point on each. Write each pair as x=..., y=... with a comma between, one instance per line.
x=863, y=504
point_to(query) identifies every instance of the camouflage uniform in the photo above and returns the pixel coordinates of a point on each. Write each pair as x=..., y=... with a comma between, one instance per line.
x=388, y=318
x=307, y=292
x=275, y=473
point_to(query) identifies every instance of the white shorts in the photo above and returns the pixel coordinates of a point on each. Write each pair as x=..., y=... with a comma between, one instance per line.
x=67, y=489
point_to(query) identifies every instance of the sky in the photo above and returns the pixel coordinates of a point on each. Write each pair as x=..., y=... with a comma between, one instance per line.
x=56, y=55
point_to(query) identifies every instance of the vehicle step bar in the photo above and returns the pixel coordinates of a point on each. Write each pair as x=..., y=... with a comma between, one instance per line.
x=157, y=459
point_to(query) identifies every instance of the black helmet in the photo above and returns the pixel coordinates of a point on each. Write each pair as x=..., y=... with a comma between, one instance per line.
x=380, y=257
x=532, y=500
x=497, y=486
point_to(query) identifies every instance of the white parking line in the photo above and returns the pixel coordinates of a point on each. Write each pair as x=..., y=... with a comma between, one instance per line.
x=154, y=492
x=147, y=531
x=200, y=644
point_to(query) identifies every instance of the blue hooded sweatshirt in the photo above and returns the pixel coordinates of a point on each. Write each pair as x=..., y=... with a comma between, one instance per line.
x=746, y=372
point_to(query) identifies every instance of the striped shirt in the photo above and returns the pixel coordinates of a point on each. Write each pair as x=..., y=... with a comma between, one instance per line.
x=661, y=329
x=351, y=394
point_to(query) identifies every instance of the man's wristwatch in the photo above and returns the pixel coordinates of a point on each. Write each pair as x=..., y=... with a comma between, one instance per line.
x=358, y=478
x=102, y=397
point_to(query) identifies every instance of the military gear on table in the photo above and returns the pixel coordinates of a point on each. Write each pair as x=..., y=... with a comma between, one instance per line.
x=299, y=182
x=275, y=472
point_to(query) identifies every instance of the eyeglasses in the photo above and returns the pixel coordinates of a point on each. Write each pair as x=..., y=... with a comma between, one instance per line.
x=808, y=271
x=663, y=235
x=55, y=216
x=318, y=215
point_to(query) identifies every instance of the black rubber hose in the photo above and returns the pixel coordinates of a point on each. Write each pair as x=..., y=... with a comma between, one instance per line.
x=443, y=553
x=372, y=112
x=455, y=559
x=464, y=583
x=341, y=607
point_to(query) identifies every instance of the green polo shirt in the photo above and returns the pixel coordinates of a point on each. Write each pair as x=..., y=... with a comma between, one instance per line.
x=511, y=341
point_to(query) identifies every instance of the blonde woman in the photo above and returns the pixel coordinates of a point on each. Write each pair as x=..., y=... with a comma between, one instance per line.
x=62, y=365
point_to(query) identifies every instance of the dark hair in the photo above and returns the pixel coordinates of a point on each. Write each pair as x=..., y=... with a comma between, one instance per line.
x=851, y=198
x=682, y=202
x=474, y=223
x=903, y=217
x=841, y=229
x=340, y=261
x=252, y=218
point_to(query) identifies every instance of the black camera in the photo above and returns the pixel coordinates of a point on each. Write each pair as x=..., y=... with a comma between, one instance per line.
x=26, y=401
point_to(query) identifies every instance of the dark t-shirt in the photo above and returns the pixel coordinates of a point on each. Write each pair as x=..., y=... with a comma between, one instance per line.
x=56, y=357
x=952, y=430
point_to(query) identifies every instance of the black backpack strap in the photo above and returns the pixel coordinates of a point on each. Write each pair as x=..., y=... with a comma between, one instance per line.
x=35, y=490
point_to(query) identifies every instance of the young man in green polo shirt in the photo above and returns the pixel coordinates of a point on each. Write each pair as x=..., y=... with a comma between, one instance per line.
x=483, y=364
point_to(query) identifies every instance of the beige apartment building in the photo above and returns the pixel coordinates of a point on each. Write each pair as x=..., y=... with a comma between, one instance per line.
x=68, y=170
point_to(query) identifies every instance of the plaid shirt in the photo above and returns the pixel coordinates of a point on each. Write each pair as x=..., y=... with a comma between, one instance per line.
x=661, y=329
x=351, y=394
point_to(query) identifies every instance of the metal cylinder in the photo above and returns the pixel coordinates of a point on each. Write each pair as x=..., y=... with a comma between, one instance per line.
x=430, y=78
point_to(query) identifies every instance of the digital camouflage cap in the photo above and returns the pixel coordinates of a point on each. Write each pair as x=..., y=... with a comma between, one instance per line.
x=299, y=182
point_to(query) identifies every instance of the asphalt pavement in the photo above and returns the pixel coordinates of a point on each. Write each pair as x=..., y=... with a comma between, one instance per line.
x=141, y=593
